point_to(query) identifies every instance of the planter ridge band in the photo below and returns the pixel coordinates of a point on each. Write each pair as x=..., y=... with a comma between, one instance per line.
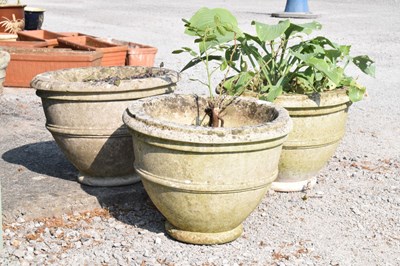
x=83, y=114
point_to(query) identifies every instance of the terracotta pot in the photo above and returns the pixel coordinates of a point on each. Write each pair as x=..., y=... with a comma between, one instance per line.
x=84, y=117
x=7, y=11
x=113, y=54
x=4, y=61
x=71, y=33
x=6, y=37
x=318, y=126
x=26, y=63
x=204, y=180
x=34, y=18
x=138, y=54
x=23, y=44
x=40, y=35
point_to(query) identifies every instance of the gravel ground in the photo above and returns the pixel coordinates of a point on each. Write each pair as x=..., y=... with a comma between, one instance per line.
x=350, y=218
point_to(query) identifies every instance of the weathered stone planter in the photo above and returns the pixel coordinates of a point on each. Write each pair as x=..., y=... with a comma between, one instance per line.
x=206, y=181
x=84, y=117
x=318, y=126
x=4, y=60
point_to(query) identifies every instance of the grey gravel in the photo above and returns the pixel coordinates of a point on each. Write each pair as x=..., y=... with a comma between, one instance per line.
x=350, y=218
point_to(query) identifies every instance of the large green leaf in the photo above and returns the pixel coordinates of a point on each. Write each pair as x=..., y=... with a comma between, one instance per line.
x=306, y=28
x=356, y=93
x=365, y=64
x=334, y=74
x=267, y=33
x=197, y=60
x=218, y=21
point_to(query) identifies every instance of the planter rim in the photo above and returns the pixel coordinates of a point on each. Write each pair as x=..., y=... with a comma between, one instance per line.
x=34, y=9
x=323, y=99
x=5, y=59
x=55, y=81
x=7, y=36
x=137, y=119
x=12, y=5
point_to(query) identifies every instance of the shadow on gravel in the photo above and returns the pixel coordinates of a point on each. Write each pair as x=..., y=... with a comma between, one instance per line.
x=43, y=158
x=130, y=205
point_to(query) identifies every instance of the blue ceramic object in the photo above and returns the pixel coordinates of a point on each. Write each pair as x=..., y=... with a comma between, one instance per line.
x=298, y=6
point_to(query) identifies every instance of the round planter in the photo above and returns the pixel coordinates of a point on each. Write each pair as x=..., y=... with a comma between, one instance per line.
x=84, y=116
x=7, y=37
x=34, y=18
x=319, y=123
x=206, y=181
x=4, y=60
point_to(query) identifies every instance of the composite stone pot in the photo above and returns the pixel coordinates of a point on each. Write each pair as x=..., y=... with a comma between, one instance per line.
x=4, y=60
x=319, y=123
x=204, y=180
x=83, y=109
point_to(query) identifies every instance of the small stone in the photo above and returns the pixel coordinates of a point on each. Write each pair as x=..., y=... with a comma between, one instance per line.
x=96, y=219
x=355, y=210
x=157, y=241
x=19, y=253
x=116, y=245
x=146, y=253
x=78, y=244
x=15, y=243
x=20, y=220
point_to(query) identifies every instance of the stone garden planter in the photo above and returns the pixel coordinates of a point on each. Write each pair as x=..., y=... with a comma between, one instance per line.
x=318, y=126
x=4, y=60
x=83, y=108
x=206, y=181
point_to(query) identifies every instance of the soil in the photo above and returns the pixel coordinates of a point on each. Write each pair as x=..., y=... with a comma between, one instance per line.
x=351, y=217
x=117, y=80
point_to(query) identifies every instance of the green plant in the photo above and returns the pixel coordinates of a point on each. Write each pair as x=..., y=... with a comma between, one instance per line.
x=215, y=31
x=282, y=61
x=279, y=59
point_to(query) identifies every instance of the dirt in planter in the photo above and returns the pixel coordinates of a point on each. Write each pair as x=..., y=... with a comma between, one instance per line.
x=115, y=80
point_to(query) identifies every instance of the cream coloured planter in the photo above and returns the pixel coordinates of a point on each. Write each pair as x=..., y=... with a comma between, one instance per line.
x=4, y=60
x=206, y=181
x=85, y=117
x=318, y=126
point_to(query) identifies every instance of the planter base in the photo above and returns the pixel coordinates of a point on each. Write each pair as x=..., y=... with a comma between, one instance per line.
x=301, y=15
x=203, y=238
x=294, y=186
x=112, y=181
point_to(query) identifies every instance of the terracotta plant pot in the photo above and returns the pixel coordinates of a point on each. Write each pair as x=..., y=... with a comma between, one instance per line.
x=6, y=37
x=40, y=35
x=23, y=44
x=113, y=54
x=7, y=12
x=84, y=116
x=204, y=180
x=4, y=60
x=26, y=63
x=71, y=33
x=318, y=126
x=34, y=18
x=138, y=54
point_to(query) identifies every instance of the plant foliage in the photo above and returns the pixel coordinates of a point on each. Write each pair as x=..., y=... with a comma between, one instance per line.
x=277, y=59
